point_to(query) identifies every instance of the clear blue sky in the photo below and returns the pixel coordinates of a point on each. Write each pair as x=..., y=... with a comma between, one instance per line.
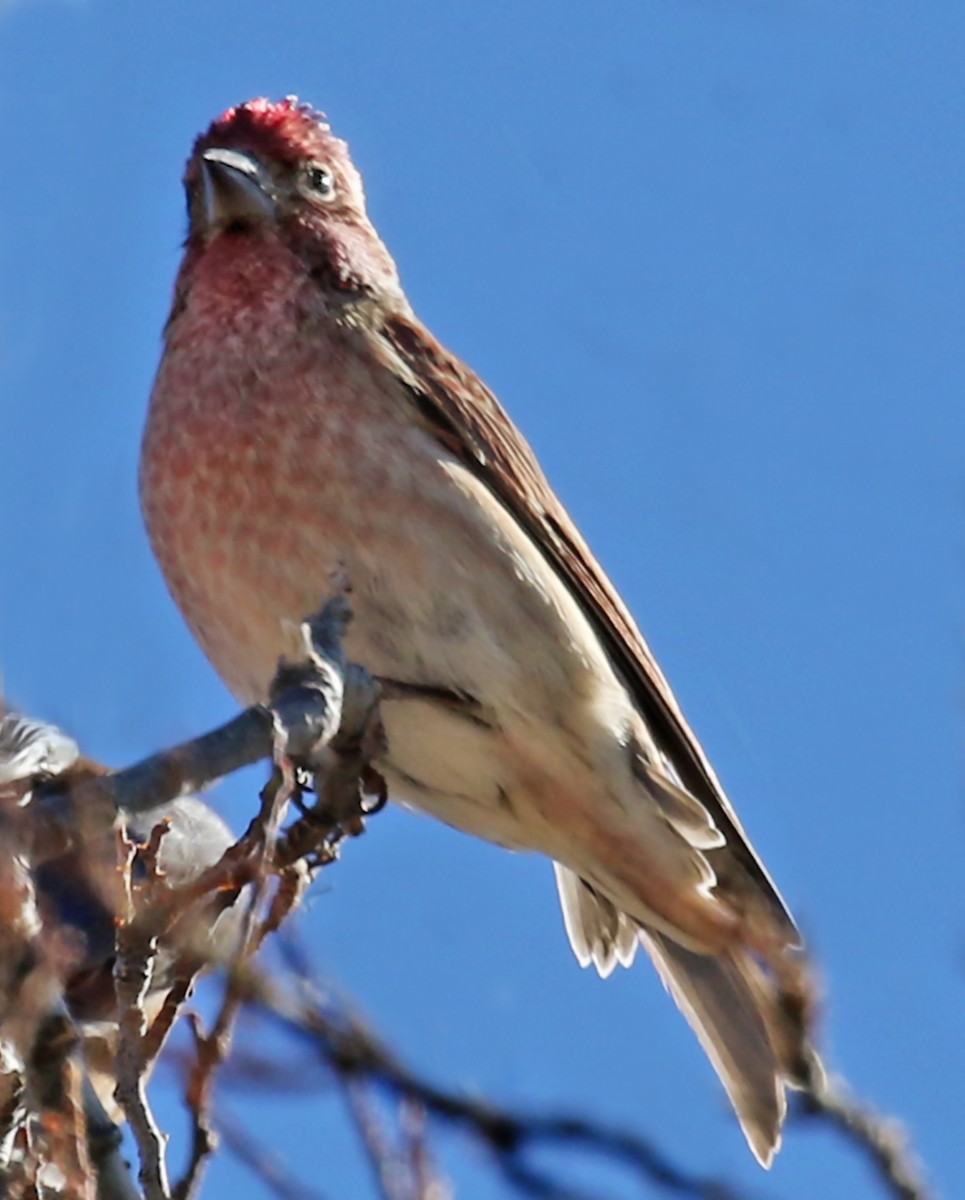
x=711, y=257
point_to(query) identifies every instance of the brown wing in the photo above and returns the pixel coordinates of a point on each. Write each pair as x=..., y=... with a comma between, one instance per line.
x=468, y=419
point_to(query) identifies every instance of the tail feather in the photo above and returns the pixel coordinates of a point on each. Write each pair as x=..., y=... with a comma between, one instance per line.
x=735, y=1012
x=598, y=932
x=734, y=1007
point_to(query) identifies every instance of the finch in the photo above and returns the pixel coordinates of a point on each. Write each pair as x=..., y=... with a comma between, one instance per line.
x=304, y=425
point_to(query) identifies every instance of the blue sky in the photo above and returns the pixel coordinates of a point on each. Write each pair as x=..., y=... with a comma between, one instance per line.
x=710, y=255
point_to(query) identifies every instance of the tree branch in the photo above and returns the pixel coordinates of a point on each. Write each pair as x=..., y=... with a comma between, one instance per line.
x=881, y=1140
x=321, y=726
x=347, y=1047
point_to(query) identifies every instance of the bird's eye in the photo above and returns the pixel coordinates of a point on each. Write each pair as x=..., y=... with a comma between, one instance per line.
x=321, y=181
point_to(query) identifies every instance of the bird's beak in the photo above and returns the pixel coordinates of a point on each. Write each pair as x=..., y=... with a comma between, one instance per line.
x=234, y=187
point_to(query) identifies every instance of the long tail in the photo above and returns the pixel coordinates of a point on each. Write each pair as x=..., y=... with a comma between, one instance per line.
x=735, y=1011
x=738, y=1011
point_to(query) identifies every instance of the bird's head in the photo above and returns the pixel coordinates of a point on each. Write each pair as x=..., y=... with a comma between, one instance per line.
x=274, y=169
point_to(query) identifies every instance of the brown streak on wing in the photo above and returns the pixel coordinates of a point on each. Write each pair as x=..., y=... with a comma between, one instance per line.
x=468, y=420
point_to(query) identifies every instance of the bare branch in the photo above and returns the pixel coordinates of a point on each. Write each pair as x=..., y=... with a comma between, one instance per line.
x=113, y=1174
x=306, y=706
x=322, y=731
x=209, y=1053
x=352, y=1051
x=136, y=952
x=212, y=1049
x=264, y=1163
x=882, y=1140
x=381, y=1157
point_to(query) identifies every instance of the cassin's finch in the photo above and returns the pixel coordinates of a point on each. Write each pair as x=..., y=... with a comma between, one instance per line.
x=303, y=422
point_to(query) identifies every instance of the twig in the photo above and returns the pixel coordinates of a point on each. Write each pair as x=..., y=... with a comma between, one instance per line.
x=204, y=1140
x=264, y=1163
x=136, y=950
x=113, y=1174
x=156, y=1035
x=352, y=1051
x=306, y=703
x=403, y=1172
x=382, y=1159
x=212, y=1049
x=428, y=1182
x=322, y=715
x=340, y=771
x=77, y=812
x=881, y=1140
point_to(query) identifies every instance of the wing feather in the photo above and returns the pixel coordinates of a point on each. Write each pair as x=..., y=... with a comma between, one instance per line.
x=470, y=422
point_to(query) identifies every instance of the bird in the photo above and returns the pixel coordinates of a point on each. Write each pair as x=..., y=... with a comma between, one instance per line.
x=303, y=426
